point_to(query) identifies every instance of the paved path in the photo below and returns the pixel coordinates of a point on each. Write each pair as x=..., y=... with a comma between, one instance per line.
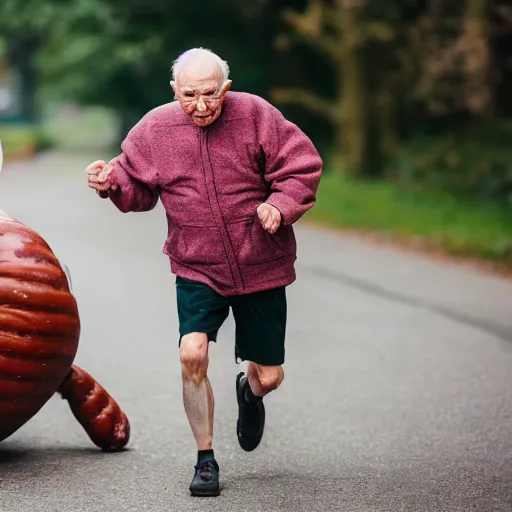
x=398, y=389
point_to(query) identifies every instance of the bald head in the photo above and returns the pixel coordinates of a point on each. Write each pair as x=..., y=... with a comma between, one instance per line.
x=200, y=82
x=199, y=63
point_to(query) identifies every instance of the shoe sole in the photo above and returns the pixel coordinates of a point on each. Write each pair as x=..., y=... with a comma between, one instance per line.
x=199, y=494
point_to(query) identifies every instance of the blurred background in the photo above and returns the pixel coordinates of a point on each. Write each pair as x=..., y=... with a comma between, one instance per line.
x=398, y=388
x=406, y=100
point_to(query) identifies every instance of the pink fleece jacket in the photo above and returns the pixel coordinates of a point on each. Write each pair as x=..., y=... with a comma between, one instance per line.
x=211, y=181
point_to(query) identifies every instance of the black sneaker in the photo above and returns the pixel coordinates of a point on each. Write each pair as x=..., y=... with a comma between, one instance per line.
x=206, y=479
x=251, y=417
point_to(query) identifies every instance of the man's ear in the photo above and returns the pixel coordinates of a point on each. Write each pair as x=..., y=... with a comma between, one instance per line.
x=226, y=87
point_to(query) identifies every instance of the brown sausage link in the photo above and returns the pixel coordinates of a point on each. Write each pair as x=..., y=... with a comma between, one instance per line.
x=98, y=413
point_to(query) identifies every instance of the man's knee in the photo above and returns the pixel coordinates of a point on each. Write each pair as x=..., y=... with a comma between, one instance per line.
x=264, y=379
x=194, y=356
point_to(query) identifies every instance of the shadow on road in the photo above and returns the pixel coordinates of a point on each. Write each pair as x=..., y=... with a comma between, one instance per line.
x=30, y=454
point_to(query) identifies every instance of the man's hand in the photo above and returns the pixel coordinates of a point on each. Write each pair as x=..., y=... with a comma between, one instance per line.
x=97, y=176
x=270, y=217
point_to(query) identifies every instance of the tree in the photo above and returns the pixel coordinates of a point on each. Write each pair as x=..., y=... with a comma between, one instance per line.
x=119, y=56
x=451, y=46
x=33, y=27
x=339, y=31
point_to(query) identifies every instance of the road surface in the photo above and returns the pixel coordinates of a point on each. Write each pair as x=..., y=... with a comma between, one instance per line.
x=398, y=388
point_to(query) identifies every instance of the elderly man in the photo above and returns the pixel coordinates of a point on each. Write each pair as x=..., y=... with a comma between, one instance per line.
x=233, y=175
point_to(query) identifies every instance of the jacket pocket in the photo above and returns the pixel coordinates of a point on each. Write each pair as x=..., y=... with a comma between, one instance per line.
x=252, y=244
x=196, y=245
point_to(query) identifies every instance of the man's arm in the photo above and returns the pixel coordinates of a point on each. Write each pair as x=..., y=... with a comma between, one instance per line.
x=293, y=166
x=133, y=176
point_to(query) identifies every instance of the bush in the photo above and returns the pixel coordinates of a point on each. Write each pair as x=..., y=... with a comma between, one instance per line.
x=17, y=140
x=475, y=161
x=20, y=140
x=430, y=220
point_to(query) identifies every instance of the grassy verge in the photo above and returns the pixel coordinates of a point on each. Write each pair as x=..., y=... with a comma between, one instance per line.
x=21, y=141
x=17, y=141
x=429, y=220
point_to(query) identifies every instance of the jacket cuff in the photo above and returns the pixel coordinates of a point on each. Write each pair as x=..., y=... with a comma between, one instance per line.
x=119, y=177
x=286, y=206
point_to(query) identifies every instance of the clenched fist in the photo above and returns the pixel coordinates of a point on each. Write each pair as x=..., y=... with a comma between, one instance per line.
x=97, y=176
x=270, y=217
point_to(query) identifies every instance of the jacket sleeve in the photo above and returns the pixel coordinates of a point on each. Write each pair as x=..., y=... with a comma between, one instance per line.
x=293, y=166
x=134, y=173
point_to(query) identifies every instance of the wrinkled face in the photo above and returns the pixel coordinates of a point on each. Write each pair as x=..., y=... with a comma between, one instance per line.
x=200, y=92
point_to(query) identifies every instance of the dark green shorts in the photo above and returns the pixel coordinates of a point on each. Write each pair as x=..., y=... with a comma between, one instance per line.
x=260, y=319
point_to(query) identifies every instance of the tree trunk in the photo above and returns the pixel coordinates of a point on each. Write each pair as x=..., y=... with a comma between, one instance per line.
x=479, y=90
x=335, y=32
x=386, y=125
x=22, y=51
x=352, y=126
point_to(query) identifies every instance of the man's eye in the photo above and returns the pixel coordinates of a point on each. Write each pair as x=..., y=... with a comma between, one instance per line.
x=189, y=95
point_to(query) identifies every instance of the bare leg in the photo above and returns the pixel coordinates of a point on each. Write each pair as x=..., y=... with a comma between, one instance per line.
x=197, y=391
x=260, y=381
x=264, y=379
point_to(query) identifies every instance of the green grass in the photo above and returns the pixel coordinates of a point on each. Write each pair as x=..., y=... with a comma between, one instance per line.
x=23, y=140
x=432, y=220
x=17, y=140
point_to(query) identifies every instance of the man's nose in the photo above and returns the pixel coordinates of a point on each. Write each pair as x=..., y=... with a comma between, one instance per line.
x=201, y=105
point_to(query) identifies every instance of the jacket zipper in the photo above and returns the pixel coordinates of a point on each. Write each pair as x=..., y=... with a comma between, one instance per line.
x=216, y=210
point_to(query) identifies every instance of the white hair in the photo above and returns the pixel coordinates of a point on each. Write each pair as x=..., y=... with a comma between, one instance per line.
x=181, y=62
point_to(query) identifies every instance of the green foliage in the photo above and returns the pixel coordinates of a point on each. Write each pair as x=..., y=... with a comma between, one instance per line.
x=17, y=140
x=430, y=220
x=118, y=55
x=52, y=19
x=474, y=161
x=99, y=52
x=22, y=140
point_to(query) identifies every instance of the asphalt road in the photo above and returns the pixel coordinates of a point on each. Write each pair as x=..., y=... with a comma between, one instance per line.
x=398, y=388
